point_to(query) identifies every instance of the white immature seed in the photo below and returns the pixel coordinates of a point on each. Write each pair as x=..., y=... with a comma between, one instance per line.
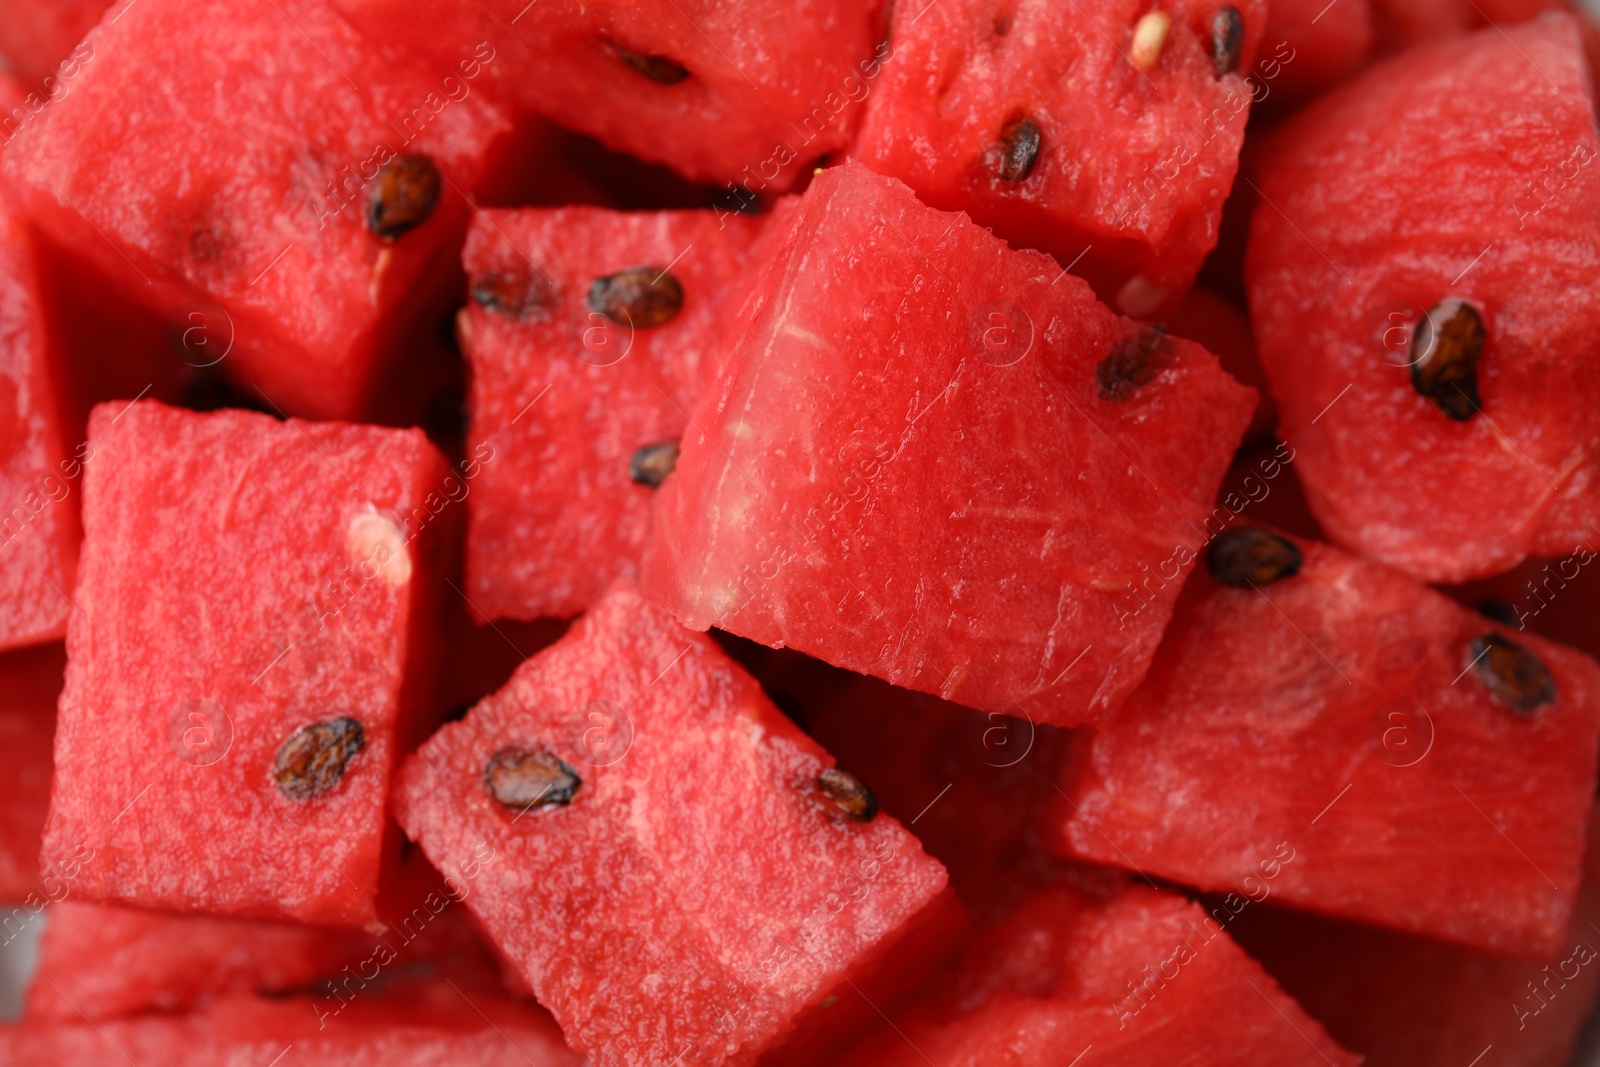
x=1149, y=37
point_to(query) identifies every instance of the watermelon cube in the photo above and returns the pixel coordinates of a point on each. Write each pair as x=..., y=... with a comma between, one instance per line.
x=1326, y=730
x=586, y=336
x=1425, y=302
x=311, y=232
x=243, y=659
x=1069, y=456
x=30, y=681
x=750, y=94
x=1141, y=979
x=1107, y=134
x=677, y=871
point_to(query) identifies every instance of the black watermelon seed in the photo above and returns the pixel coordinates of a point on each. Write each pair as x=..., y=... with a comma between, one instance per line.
x=849, y=793
x=403, y=195
x=1513, y=674
x=659, y=69
x=1227, y=40
x=1133, y=362
x=1018, y=150
x=1252, y=555
x=523, y=778
x=638, y=296
x=314, y=758
x=519, y=294
x=1444, y=357
x=652, y=463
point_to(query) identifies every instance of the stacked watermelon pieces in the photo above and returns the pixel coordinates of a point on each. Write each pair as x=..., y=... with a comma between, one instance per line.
x=693, y=532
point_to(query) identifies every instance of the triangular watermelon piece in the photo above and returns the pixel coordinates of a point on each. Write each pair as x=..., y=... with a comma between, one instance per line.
x=245, y=660
x=1425, y=302
x=31, y=682
x=586, y=335
x=1328, y=731
x=1069, y=454
x=672, y=865
x=1142, y=979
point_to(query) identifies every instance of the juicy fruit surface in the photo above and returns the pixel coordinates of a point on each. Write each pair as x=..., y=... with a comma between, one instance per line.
x=855, y=404
x=563, y=396
x=38, y=523
x=1395, y=192
x=232, y=172
x=1132, y=166
x=274, y=591
x=1143, y=978
x=30, y=682
x=1431, y=805
x=735, y=892
x=752, y=93
x=36, y=35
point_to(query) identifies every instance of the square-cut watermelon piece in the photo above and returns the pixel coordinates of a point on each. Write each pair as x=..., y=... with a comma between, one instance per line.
x=242, y=659
x=1068, y=455
x=586, y=336
x=30, y=681
x=1141, y=979
x=678, y=871
x=722, y=90
x=1106, y=134
x=1354, y=742
x=1425, y=303
x=294, y=190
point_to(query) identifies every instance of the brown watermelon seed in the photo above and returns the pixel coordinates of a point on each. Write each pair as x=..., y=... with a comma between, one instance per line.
x=1135, y=361
x=652, y=463
x=659, y=69
x=516, y=293
x=1252, y=555
x=314, y=758
x=1513, y=674
x=849, y=793
x=524, y=778
x=1018, y=150
x=403, y=195
x=1444, y=357
x=1227, y=39
x=638, y=296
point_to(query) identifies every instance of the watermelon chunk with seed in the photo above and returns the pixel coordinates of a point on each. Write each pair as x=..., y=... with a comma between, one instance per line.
x=244, y=660
x=1065, y=451
x=1356, y=744
x=1141, y=979
x=1106, y=134
x=310, y=233
x=586, y=336
x=676, y=870
x=30, y=681
x=1425, y=302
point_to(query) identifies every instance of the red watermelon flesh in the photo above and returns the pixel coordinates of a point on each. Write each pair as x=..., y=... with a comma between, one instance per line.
x=1131, y=165
x=250, y=204
x=1320, y=43
x=858, y=402
x=564, y=396
x=37, y=36
x=38, y=468
x=30, y=681
x=279, y=592
x=740, y=93
x=1342, y=738
x=1222, y=327
x=1377, y=209
x=1143, y=978
x=699, y=892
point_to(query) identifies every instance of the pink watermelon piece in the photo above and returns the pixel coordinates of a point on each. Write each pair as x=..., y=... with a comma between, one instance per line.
x=39, y=469
x=731, y=92
x=1404, y=231
x=245, y=660
x=31, y=681
x=1064, y=131
x=567, y=400
x=1356, y=744
x=1142, y=978
x=1064, y=449
x=656, y=777
x=275, y=221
